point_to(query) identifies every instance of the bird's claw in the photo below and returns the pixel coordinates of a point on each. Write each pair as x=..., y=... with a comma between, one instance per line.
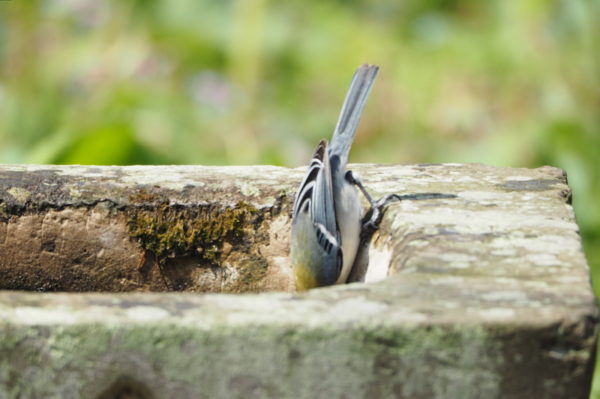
x=373, y=217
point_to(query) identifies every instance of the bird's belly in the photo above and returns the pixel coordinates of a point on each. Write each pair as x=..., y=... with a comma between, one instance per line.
x=349, y=214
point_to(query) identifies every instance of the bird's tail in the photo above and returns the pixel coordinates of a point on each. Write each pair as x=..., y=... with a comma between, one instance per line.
x=351, y=111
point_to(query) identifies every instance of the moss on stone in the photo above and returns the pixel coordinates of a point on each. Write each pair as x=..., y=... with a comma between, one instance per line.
x=169, y=230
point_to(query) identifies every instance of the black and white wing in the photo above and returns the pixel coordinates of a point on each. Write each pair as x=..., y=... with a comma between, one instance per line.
x=315, y=197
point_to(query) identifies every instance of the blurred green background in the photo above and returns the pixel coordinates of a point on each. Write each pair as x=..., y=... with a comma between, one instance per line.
x=510, y=83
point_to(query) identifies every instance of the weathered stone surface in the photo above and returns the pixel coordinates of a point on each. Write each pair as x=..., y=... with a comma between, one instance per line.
x=182, y=228
x=488, y=293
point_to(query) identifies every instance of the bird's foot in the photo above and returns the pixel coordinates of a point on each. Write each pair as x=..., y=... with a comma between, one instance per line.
x=372, y=219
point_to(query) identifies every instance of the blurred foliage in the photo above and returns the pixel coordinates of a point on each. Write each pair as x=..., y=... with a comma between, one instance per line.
x=258, y=81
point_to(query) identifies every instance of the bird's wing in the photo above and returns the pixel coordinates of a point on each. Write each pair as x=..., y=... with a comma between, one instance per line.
x=315, y=194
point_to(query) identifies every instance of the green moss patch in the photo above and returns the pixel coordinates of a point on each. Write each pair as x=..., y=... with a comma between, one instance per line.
x=169, y=231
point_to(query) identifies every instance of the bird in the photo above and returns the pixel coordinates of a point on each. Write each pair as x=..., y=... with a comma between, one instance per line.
x=327, y=213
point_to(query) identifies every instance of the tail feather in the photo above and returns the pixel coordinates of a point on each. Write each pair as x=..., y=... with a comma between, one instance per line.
x=351, y=111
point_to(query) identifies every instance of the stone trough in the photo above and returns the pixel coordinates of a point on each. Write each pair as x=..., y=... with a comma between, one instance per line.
x=175, y=282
